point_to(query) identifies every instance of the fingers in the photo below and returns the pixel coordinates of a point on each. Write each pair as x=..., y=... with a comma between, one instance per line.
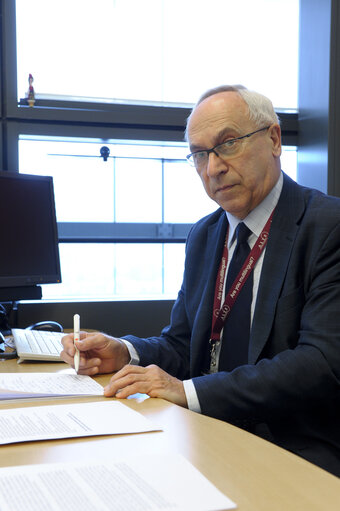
x=87, y=342
x=149, y=380
x=67, y=342
x=68, y=352
x=90, y=341
x=99, y=353
x=126, y=381
x=87, y=365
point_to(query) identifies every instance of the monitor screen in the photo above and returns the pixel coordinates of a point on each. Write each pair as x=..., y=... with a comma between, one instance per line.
x=29, y=253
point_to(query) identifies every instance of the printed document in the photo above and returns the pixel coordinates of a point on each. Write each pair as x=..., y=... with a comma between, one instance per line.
x=138, y=483
x=70, y=421
x=38, y=385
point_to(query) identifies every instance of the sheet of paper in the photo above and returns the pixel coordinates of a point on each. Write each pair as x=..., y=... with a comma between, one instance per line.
x=70, y=421
x=139, y=483
x=36, y=385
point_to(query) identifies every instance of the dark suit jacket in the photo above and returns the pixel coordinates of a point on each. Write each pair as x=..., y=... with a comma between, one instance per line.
x=289, y=392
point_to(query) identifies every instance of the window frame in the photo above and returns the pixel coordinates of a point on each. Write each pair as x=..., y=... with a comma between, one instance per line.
x=96, y=120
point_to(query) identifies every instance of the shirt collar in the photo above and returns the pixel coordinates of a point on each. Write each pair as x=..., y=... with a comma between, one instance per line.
x=257, y=218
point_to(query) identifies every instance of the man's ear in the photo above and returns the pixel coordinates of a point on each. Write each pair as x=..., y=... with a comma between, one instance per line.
x=275, y=135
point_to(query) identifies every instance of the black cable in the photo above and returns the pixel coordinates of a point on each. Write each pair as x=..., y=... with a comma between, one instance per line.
x=9, y=354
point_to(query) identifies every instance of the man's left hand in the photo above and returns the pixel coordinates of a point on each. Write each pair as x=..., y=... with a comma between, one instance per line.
x=149, y=380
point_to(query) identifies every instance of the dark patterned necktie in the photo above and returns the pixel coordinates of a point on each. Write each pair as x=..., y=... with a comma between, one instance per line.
x=235, y=340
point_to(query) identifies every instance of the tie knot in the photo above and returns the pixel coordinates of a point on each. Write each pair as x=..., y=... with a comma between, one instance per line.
x=242, y=233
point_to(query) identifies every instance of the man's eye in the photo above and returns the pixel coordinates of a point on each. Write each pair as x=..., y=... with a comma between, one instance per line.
x=230, y=143
x=199, y=156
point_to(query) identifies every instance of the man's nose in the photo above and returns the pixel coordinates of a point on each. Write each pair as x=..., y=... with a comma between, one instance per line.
x=215, y=165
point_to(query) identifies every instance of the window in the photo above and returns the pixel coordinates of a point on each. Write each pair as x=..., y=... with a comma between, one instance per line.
x=141, y=185
x=154, y=51
x=129, y=88
x=155, y=179
x=141, y=182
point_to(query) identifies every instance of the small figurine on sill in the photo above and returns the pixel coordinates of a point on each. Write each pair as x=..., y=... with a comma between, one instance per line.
x=30, y=94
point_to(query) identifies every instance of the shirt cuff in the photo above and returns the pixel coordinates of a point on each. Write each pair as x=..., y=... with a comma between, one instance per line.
x=133, y=353
x=191, y=395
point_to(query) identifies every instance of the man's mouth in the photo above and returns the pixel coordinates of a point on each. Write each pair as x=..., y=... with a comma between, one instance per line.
x=224, y=188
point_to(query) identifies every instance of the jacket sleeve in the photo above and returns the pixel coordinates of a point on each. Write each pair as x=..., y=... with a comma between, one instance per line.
x=170, y=350
x=190, y=317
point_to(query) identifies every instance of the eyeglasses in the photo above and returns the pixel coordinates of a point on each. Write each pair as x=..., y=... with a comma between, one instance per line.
x=228, y=149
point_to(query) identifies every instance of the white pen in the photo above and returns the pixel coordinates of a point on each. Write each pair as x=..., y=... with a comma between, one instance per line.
x=76, y=337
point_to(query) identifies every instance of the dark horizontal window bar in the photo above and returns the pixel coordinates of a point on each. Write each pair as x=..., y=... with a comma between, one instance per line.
x=86, y=232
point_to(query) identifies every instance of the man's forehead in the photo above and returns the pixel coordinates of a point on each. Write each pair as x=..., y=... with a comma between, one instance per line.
x=218, y=112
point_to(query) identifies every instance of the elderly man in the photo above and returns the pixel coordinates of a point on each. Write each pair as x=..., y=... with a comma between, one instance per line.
x=254, y=337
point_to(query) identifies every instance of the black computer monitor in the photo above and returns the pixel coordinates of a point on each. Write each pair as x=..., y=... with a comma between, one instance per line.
x=29, y=252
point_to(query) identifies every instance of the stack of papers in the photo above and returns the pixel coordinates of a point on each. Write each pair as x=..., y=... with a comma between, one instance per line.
x=70, y=421
x=42, y=385
x=140, y=483
x=149, y=482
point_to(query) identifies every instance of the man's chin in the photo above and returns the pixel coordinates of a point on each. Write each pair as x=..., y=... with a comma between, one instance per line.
x=234, y=209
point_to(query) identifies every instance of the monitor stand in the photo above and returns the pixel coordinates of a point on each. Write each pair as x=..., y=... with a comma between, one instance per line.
x=10, y=294
x=13, y=295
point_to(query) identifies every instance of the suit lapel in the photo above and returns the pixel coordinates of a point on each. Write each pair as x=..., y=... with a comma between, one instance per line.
x=283, y=231
x=202, y=325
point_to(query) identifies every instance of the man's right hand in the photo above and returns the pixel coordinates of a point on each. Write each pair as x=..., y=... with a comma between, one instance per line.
x=99, y=353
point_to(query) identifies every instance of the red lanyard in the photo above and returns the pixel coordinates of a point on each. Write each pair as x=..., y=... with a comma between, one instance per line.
x=220, y=313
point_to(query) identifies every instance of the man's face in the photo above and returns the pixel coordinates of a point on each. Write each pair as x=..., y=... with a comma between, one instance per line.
x=240, y=183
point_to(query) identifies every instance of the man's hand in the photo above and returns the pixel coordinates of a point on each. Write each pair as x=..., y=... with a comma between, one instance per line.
x=149, y=380
x=99, y=353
